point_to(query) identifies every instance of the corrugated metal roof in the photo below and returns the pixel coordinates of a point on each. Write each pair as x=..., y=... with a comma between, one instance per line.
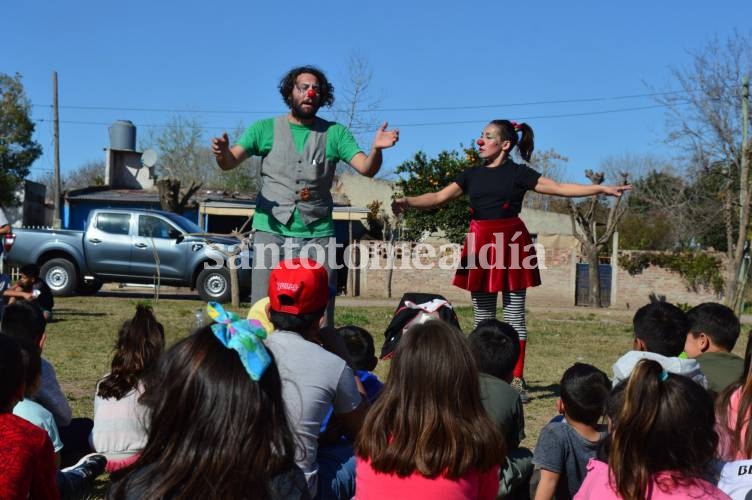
x=206, y=198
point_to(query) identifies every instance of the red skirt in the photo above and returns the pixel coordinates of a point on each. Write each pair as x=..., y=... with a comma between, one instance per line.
x=498, y=256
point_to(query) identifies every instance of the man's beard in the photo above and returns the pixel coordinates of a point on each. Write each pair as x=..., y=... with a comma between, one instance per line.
x=298, y=112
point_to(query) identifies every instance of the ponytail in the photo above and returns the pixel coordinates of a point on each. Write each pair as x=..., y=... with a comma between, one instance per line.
x=524, y=141
x=659, y=413
x=526, y=145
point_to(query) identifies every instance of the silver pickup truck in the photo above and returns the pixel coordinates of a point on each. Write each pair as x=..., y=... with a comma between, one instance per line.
x=130, y=246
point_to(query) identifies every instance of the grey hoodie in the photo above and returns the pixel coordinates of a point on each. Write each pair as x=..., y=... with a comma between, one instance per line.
x=680, y=366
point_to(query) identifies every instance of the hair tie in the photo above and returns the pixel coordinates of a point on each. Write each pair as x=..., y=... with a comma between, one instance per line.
x=663, y=376
x=515, y=125
x=242, y=335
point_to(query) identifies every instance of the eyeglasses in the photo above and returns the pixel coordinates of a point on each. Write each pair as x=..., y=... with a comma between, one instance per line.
x=303, y=88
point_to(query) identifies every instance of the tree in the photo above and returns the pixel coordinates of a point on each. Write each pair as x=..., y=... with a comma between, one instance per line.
x=17, y=148
x=550, y=164
x=585, y=222
x=659, y=213
x=185, y=155
x=706, y=121
x=423, y=175
x=91, y=173
x=355, y=105
x=172, y=198
x=183, y=151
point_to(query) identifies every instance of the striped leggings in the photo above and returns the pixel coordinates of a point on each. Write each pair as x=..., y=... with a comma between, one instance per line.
x=484, y=307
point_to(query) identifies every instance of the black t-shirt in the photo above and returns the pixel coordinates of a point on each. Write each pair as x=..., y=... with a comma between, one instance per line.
x=44, y=299
x=497, y=192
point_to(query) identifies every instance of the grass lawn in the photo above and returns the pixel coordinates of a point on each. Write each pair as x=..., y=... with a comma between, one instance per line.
x=81, y=339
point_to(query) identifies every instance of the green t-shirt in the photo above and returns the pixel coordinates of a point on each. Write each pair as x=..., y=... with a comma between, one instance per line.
x=257, y=140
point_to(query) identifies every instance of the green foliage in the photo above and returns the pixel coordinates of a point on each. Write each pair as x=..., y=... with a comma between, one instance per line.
x=707, y=195
x=423, y=175
x=375, y=220
x=17, y=148
x=698, y=269
x=642, y=231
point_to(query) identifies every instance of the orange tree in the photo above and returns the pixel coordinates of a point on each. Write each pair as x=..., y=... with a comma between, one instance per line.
x=425, y=175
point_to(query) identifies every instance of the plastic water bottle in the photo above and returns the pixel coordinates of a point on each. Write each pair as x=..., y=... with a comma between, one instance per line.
x=199, y=318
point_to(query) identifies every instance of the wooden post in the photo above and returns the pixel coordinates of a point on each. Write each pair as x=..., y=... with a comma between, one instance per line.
x=56, y=144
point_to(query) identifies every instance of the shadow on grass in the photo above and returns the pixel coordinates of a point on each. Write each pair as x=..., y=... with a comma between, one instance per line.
x=146, y=295
x=72, y=312
x=544, y=391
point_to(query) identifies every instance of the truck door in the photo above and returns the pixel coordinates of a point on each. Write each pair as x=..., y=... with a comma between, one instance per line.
x=155, y=244
x=107, y=244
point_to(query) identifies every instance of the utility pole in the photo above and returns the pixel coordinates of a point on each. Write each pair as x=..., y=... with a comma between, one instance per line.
x=56, y=140
x=744, y=266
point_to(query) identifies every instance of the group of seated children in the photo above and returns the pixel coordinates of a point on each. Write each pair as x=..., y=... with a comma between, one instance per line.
x=37, y=430
x=278, y=407
x=664, y=437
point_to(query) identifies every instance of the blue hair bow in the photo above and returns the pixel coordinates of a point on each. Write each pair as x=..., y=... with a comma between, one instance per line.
x=242, y=335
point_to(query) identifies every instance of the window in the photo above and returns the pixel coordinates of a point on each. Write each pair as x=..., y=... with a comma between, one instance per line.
x=114, y=223
x=153, y=227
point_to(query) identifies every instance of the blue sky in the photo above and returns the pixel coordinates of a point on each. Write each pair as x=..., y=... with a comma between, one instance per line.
x=220, y=63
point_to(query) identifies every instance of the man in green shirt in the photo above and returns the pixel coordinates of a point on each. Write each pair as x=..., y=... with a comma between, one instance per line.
x=300, y=152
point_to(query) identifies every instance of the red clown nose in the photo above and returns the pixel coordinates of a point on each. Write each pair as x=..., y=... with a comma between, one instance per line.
x=311, y=93
x=480, y=142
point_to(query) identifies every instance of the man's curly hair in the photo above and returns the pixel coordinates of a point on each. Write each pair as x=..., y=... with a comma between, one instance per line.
x=287, y=83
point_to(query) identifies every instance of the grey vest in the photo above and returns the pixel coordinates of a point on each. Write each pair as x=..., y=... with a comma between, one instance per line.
x=285, y=173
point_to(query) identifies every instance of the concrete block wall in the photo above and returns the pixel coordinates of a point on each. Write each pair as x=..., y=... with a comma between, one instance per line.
x=558, y=276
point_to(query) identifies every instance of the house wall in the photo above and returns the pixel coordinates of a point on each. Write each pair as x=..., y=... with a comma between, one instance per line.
x=558, y=276
x=361, y=191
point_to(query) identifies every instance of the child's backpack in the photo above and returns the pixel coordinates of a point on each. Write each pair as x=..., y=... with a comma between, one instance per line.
x=416, y=308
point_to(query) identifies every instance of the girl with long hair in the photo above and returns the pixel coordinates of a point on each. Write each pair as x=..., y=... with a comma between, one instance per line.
x=499, y=255
x=428, y=435
x=217, y=422
x=119, y=431
x=662, y=440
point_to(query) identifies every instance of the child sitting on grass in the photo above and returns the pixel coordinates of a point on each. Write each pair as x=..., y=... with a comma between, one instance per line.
x=360, y=346
x=24, y=321
x=26, y=454
x=119, y=427
x=565, y=446
x=662, y=441
x=496, y=346
x=713, y=332
x=660, y=332
x=74, y=479
x=427, y=435
x=218, y=427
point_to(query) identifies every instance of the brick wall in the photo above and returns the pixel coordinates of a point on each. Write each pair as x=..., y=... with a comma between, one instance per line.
x=558, y=276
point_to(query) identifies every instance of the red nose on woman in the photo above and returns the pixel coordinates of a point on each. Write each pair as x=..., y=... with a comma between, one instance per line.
x=480, y=142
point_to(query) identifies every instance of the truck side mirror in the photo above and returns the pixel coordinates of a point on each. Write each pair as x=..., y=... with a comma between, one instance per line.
x=176, y=235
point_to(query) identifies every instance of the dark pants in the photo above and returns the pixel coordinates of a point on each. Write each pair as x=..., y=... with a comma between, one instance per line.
x=75, y=438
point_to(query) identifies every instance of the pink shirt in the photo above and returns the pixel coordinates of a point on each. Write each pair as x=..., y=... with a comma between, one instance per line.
x=596, y=486
x=724, y=439
x=371, y=484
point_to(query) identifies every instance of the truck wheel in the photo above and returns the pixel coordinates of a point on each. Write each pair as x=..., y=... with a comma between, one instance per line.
x=60, y=275
x=89, y=287
x=213, y=285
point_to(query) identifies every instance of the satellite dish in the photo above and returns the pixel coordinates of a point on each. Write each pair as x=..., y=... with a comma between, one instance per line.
x=149, y=158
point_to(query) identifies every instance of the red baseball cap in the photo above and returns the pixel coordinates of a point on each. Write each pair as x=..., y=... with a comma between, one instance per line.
x=299, y=286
